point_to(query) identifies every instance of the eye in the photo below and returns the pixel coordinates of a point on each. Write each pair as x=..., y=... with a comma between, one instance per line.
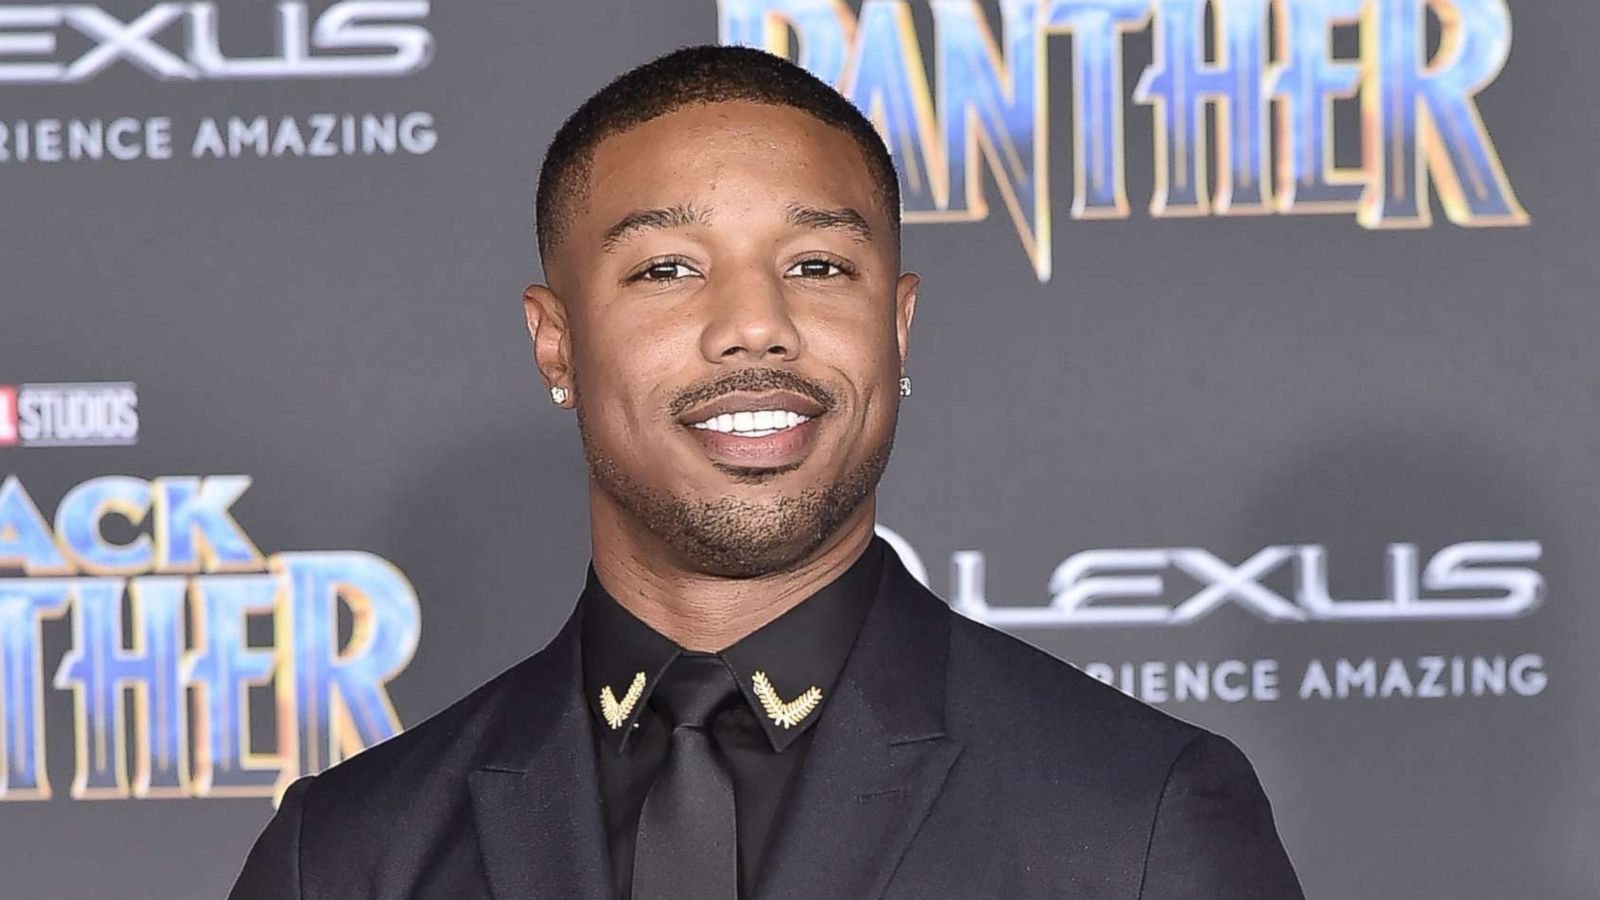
x=820, y=268
x=663, y=270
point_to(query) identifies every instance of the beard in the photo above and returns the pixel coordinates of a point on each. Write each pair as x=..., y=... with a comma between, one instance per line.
x=732, y=537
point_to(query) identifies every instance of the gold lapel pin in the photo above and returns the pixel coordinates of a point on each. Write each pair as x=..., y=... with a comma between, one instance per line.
x=616, y=713
x=786, y=714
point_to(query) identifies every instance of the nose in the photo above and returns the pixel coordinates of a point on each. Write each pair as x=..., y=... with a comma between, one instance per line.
x=749, y=321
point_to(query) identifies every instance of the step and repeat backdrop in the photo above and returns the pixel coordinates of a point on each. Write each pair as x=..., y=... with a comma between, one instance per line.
x=1255, y=373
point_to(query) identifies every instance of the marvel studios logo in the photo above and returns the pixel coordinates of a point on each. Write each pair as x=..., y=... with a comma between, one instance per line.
x=84, y=414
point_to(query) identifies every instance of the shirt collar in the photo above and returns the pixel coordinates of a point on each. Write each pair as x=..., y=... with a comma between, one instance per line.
x=805, y=647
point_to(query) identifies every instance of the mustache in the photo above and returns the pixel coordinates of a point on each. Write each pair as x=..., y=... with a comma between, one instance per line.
x=748, y=380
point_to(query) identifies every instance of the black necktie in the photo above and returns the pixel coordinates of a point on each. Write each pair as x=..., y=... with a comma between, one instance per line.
x=687, y=847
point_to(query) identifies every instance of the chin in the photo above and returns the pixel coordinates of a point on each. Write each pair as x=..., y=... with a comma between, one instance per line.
x=752, y=558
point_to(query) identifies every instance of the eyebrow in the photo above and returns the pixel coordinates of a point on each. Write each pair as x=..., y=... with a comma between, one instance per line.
x=647, y=219
x=842, y=219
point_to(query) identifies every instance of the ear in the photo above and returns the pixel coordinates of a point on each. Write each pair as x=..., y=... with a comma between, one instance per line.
x=547, y=329
x=905, y=306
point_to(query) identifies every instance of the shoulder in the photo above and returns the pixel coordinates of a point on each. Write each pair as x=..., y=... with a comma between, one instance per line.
x=1000, y=675
x=374, y=815
x=428, y=762
x=1151, y=806
x=1067, y=743
x=1005, y=694
x=1215, y=831
x=1143, y=795
x=392, y=814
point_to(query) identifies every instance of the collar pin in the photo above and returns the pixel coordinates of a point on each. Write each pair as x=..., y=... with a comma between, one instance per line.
x=788, y=714
x=615, y=711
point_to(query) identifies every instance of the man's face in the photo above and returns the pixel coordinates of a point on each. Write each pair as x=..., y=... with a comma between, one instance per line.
x=727, y=309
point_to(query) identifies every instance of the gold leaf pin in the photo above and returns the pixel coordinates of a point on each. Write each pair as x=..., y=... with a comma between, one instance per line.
x=616, y=713
x=786, y=714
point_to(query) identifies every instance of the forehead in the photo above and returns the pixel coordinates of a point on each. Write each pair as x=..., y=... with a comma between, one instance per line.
x=732, y=154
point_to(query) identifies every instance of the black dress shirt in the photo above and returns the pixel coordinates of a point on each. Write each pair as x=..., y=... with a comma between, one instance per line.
x=806, y=646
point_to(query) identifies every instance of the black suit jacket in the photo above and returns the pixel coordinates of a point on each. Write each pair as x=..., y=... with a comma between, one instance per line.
x=952, y=761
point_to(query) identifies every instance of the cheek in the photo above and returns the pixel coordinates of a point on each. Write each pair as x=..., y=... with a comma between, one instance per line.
x=862, y=345
x=623, y=360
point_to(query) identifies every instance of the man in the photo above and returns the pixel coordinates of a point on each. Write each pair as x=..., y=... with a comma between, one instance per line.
x=752, y=698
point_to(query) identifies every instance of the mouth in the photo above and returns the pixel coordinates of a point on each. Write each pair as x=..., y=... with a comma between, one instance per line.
x=766, y=430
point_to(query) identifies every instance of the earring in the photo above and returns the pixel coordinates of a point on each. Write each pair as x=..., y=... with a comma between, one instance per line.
x=558, y=395
x=905, y=385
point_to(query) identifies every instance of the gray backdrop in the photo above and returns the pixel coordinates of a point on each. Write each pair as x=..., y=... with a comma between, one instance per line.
x=343, y=328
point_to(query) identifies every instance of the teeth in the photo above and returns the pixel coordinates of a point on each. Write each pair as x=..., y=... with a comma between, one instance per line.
x=753, y=423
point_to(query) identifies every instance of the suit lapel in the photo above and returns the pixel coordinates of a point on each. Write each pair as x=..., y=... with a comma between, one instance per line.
x=535, y=801
x=878, y=759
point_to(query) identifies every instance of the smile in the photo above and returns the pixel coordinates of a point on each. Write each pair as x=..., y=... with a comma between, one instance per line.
x=764, y=430
x=757, y=423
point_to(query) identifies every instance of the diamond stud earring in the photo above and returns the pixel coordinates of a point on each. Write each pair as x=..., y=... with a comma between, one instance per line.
x=905, y=385
x=558, y=395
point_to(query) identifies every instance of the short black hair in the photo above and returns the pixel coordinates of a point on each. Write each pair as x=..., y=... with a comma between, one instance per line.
x=707, y=73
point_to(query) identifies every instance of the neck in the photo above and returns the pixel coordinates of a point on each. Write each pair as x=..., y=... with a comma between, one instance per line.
x=705, y=612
